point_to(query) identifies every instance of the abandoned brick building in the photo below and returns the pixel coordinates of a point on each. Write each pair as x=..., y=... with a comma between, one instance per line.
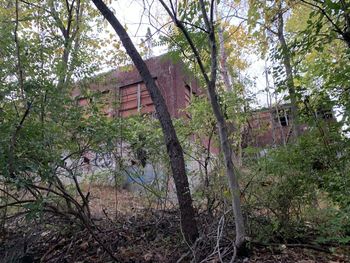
x=126, y=95
x=127, y=87
x=266, y=127
x=270, y=126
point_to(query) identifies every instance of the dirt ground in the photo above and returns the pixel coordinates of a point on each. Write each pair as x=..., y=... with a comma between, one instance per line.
x=139, y=233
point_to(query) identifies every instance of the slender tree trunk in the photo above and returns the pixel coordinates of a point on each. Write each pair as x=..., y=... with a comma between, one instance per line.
x=230, y=170
x=18, y=53
x=70, y=33
x=289, y=73
x=229, y=88
x=222, y=126
x=223, y=60
x=223, y=130
x=174, y=149
x=270, y=106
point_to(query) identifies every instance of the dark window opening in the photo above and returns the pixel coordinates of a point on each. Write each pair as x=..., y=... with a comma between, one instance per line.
x=324, y=114
x=86, y=160
x=282, y=118
x=327, y=115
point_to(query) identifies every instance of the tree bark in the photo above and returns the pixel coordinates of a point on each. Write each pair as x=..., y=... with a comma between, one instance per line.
x=230, y=170
x=223, y=131
x=289, y=73
x=223, y=60
x=213, y=97
x=70, y=33
x=174, y=149
x=229, y=88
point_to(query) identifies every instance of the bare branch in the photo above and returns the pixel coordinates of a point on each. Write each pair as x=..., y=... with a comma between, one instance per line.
x=13, y=141
x=180, y=25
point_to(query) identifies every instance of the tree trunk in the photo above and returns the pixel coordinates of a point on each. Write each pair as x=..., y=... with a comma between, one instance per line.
x=211, y=88
x=229, y=88
x=70, y=33
x=223, y=131
x=174, y=149
x=289, y=73
x=223, y=60
x=230, y=170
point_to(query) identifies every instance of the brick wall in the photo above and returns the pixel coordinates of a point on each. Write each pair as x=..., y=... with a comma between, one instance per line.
x=125, y=86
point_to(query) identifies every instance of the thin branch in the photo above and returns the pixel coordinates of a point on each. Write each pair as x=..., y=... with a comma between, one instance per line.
x=336, y=27
x=35, y=5
x=258, y=22
x=13, y=141
x=195, y=26
x=212, y=12
x=180, y=25
x=57, y=18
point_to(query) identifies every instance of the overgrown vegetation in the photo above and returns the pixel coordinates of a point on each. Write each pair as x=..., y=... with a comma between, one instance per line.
x=62, y=155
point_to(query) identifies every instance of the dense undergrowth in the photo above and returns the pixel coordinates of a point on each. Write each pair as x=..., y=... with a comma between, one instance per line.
x=151, y=236
x=57, y=148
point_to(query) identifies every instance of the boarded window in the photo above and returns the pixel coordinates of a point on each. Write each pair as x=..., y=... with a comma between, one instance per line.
x=135, y=98
x=187, y=95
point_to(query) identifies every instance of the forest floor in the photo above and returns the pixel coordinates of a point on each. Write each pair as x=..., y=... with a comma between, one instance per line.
x=138, y=235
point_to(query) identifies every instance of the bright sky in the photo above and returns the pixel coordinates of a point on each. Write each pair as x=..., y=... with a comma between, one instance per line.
x=132, y=14
x=136, y=18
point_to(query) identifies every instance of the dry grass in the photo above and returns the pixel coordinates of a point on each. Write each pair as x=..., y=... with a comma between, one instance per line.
x=107, y=200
